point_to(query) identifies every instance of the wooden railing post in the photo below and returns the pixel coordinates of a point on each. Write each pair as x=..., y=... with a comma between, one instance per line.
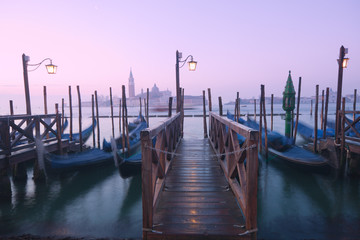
x=204, y=115
x=147, y=184
x=251, y=176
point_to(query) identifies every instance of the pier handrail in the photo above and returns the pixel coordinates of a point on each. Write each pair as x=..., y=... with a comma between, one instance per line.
x=10, y=139
x=158, y=146
x=350, y=125
x=239, y=163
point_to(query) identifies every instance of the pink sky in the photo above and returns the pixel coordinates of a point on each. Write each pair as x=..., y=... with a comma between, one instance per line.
x=238, y=45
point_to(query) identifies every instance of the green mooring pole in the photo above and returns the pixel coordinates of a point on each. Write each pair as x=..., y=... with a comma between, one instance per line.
x=288, y=104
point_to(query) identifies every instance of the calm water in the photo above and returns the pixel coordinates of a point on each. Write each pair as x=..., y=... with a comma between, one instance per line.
x=292, y=204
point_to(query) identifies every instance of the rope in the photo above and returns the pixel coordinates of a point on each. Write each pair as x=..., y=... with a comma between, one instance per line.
x=211, y=155
x=248, y=232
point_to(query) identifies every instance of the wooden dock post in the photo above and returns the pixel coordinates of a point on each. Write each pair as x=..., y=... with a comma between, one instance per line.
x=182, y=111
x=204, y=115
x=97, y=119
x=311, y=106
x=255, y=110
x=18, y=170
x=5, y=184
x=297, y=109
x=354, y=106
x=326, y=112
x=11, y=107
x=80, y=127
x=112, y=114
x=237, y=107
x=58, y=129
x=272, y=112
x=170, y=106
x=93, y=119
x=45, y=100
x=140, y=105
x=339, y=94
x=45, y=106
x=71, y=115
x=209, y=99
x=123, y=118
x=265, y=124
x=11, y=111
x=147, y=106
x=260, y=126
x=342, y=133
x=126, y=121
x=316, y=118
x=120, y=115
x=322, y=110
x=220, y=106
x=235, y=110
x=62, y=115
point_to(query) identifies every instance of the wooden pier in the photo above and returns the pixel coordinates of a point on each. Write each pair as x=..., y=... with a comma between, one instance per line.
x=17, y=141
x=199, y=188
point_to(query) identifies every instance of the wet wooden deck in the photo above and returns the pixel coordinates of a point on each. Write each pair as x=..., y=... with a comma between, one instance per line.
x=196, y=201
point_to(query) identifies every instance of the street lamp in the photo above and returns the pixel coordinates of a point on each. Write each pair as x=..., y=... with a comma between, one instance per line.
x=192, y=67
x=342, y=61
x=51, y=69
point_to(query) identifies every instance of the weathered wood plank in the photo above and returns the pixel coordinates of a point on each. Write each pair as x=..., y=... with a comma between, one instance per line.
x=196, y=201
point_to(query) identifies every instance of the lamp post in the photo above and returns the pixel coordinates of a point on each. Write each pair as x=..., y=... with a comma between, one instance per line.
x=51, y=69
x=342, y=61
x=192, y=67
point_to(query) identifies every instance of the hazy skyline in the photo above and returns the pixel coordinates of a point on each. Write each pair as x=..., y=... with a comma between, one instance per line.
x=238, y=45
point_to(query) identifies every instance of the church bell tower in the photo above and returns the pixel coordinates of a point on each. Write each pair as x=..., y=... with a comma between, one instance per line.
x=131, y=85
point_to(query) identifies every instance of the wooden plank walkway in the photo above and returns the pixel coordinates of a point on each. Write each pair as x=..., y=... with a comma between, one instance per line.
x=196, y=201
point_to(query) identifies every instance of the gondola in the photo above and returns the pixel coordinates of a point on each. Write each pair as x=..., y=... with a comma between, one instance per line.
x=75, y=161
x=85, y=134
x=130, y=162
x=134, y=127
x=130, y=165
x=283, y=148
x=308, y=133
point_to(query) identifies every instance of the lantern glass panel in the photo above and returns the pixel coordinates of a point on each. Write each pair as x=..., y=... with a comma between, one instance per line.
x=192, y=65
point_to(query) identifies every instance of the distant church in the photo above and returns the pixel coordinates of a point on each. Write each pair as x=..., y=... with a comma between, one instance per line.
x=131, y=85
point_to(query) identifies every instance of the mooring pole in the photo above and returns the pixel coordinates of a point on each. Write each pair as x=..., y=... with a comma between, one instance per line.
x=97, y=119
x=80, y=127
x=297, y=109
x=71, y=115
x=326, y=111
x=220, y=107
x=204, y=115
x=112, y=114
x=316, y=118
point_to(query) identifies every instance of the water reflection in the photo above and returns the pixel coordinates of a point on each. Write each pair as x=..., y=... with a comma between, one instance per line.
x=133, y=196
x=308, y=204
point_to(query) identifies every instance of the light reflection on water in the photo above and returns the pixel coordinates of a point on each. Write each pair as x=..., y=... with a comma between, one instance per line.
x=99, y=203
